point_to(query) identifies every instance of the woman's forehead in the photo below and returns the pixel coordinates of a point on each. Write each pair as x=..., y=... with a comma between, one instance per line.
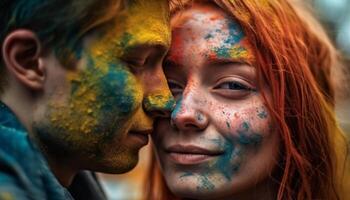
x=198, y=13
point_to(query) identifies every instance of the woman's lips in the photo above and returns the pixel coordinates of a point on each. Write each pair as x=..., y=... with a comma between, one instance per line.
x=190, y=154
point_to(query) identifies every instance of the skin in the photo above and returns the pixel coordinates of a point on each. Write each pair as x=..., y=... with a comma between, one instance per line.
x=211, y=73
x=97, y=114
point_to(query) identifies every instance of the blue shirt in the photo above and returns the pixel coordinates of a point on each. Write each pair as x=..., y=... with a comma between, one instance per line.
x=24, y=172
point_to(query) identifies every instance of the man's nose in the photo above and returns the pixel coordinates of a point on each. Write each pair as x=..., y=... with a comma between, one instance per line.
x=188, y=115
x=158, y=100
x=159, y=103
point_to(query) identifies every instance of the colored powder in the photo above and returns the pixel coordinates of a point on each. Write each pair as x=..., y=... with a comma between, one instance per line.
x=205, y=183
x=161, y=99
x=100, y=95
x=6, y=196
x=106, y=92
x=223, y=164
x=235, y=35
x=238, y=52
x=262, y=114
x=153, y=29
x=186, y=174
x=177, y=108
x=247, y=138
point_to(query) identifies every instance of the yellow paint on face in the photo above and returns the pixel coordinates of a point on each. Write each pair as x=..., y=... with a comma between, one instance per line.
x=144, y=22
x=6, y=196
x=242, y=51
x=103, y=97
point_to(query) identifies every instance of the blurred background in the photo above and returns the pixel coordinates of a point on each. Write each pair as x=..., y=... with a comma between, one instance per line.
x=335, y=16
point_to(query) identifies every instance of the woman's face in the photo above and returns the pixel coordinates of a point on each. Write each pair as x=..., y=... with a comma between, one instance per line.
x=220, y=141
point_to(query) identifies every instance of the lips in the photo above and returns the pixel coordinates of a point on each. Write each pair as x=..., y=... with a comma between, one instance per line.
x=191, y=154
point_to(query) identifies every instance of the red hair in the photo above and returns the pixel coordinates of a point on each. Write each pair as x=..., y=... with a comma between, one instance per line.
x=296, y=60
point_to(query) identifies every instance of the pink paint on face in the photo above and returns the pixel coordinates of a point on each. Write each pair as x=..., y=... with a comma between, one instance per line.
x=219, y=142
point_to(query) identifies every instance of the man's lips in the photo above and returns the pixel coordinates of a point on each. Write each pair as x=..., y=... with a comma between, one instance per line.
x=191, y=154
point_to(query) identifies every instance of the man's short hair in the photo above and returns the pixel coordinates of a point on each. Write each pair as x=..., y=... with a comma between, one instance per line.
x=59, y=24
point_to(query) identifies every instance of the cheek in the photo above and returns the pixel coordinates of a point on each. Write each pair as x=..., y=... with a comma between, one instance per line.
x=248, y=123
x=162, y=129
x=118, y=93
x=100, y=101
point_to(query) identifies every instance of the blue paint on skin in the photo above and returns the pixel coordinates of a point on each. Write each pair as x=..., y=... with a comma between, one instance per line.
x=223, y=164
x=112, y=90
x=235, y=35
x=125, y=40
x=205, y=183
x=177, y=108
x=226, y=164
x=245, y=137
x=245, y=126
x=186, y=174
x=262, y=114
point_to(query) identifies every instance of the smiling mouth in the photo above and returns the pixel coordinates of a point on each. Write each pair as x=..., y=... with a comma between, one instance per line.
x=191, y=155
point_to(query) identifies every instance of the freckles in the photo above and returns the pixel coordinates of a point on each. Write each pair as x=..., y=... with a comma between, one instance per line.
x=262, y=113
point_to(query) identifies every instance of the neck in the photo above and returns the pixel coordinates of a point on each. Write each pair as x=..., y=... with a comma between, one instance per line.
x=62, y=169
x=23, y=107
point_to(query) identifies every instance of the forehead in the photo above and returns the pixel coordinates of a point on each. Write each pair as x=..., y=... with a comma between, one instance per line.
x=207, y=32
x=148, y=19
x=141, y=22
x=200, y=17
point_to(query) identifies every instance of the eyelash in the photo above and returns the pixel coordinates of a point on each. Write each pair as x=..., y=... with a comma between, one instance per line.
x=234, y=85
x=232, y=89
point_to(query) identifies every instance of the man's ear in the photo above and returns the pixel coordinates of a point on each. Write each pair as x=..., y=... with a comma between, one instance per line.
x=21, y=52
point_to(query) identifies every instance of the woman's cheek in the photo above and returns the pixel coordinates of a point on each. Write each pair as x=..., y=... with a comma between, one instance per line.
x=245, y=125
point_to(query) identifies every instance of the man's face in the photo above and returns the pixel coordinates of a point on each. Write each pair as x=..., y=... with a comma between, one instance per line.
x=102, y=111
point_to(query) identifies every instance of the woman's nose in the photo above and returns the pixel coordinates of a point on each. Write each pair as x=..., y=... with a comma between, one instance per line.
x=189, y=116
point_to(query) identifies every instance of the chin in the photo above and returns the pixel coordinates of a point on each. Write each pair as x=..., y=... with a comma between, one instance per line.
x=187, y=188
x=193, y=194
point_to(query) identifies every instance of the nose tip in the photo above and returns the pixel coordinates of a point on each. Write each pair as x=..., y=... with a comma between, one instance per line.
x=187, y=120
x=159, y=105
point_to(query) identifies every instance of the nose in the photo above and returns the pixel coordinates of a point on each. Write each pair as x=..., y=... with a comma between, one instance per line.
x=158, y=100
x=159, y=104
x=188, y=116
